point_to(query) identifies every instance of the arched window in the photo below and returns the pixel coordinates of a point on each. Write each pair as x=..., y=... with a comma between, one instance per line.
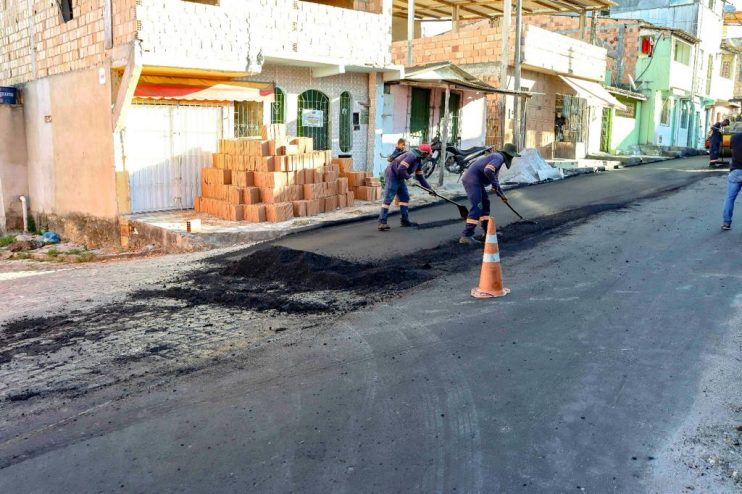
x=345, y=130
x=278, y=107
x=312, y=118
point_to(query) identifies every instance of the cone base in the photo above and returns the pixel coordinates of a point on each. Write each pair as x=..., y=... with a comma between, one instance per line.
x=479, y=293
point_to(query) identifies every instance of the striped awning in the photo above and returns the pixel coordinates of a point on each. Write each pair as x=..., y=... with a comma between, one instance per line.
x=483, y=9
x=193, y=89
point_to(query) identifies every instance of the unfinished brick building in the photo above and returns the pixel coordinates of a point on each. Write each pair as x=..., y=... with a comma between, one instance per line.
x=553, y=66
x=123, y=101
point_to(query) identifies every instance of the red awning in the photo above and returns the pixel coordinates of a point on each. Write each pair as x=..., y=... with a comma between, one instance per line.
x=160, y=87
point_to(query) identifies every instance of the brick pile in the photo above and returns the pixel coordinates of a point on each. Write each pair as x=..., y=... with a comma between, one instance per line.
x=362, y=184
x=275, y=178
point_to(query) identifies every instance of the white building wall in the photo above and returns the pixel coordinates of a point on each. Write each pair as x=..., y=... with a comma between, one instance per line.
x=549, y=52
x=681, y=76
x=473, y=122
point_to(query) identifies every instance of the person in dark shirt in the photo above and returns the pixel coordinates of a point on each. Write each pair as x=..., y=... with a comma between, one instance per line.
x=715, y=141
x=483, y=172
x=400, y=169
x=734, y=181
x=401, y=148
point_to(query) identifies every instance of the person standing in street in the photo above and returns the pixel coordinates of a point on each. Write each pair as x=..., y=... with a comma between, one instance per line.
x=399, y=170
x=734, y=181
x=483, y=172
x=715, y=141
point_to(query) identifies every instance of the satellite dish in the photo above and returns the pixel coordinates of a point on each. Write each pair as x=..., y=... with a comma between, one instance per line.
x=633, y=85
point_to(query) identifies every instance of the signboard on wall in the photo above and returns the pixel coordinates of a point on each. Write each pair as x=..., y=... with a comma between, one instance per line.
x=312, y=118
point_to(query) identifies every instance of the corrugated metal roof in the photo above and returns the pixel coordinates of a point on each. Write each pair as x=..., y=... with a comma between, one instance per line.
x=482, y=9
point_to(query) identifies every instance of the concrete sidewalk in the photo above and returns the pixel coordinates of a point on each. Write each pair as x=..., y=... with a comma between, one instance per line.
x=169, y=228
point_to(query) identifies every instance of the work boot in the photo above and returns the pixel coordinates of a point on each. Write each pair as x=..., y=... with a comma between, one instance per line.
x=405, y=222
x=464, y=240
x=383, y=227
x=725, y=227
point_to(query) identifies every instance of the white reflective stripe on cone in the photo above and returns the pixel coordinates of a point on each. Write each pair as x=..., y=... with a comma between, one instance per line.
x=491, y=239
x=491, y=257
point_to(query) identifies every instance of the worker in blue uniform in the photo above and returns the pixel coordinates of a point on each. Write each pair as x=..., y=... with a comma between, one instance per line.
x=402, y=168
x=483, y=172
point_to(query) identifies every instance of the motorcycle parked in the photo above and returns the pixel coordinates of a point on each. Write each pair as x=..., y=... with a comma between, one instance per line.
x=458, y=160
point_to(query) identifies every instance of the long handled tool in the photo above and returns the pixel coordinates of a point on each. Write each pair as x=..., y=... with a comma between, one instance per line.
x=462, y=209
x=531, y=222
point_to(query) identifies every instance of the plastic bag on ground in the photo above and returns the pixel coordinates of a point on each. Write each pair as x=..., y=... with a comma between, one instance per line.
x=51, y=238
x=530, y=168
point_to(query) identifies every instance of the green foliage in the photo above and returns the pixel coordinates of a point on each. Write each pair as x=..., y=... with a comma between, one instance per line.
x=7, y=240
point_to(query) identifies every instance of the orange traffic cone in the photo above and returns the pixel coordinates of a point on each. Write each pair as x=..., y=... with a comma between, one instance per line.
x=490, y=279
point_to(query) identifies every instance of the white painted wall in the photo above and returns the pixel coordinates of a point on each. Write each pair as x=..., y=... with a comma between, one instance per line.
x=473, y=123
x=555, y=53
x=595, y=123
x=681, y=76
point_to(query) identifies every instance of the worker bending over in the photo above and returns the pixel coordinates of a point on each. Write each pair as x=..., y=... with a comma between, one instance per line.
x=478, y=176
x=399, y=170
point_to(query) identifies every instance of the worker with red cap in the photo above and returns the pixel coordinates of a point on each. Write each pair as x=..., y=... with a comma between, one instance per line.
x=400, y=169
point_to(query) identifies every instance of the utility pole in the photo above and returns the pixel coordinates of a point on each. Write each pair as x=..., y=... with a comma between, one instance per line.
x=516, y=75
x=444, y=137
x=410, y=29
x=507, y=13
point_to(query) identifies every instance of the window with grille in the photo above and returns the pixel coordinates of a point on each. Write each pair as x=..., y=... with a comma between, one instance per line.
x=344, y=125
x=726, y=66
x=684, y=116
x=666, y=111
x=681, y=52
x=278, y=107
x=248, y=118
x=312, y=118
x=630, y=111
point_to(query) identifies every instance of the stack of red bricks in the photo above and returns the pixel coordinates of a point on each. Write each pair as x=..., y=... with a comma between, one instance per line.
x=362, y=184
x=273, y=178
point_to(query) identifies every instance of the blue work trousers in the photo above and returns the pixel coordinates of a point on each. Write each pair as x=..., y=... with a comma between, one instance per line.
x=734, y=184
x=394, y=186
x=480, y=207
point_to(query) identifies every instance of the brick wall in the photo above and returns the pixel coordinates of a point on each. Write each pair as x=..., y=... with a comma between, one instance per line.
x=607, y=36
x=231, y=37
x=479, y=42
x=42, y=44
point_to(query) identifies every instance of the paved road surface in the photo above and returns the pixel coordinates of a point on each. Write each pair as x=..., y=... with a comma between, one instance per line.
x=613, y=366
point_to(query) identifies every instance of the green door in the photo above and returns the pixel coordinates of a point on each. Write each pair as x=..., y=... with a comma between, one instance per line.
x=420, y=113
x=454, y=110
x=605, y=130
x=313, y=118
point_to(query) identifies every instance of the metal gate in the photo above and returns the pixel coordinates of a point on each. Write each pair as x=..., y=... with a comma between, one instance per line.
x=316, y=123
x=606, y=130
x=166, y=146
